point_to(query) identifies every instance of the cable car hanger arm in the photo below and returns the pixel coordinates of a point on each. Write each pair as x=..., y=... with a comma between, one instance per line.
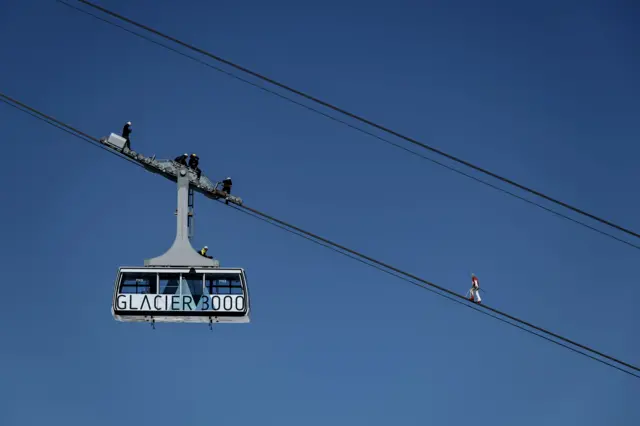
x=168, y=169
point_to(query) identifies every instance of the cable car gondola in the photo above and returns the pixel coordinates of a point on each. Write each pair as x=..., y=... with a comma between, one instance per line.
x=174, y=294
x=181, y=285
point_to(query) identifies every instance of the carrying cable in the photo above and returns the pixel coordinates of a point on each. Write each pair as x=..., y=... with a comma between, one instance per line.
x=516, y=322
x=433, y=285
x=366, y=132
x=64, y=127
x=424, y=287
x=358, y=118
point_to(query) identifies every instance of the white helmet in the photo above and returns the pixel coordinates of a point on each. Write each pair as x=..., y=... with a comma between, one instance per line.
x=206, y=248
x=129, y=123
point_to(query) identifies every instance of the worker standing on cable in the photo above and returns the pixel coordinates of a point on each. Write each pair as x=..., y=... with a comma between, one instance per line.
x=194, y=161
x=474, y=292
x=126, y=131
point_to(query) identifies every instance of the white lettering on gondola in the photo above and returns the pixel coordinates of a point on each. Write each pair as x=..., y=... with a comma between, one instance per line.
x=168, y=302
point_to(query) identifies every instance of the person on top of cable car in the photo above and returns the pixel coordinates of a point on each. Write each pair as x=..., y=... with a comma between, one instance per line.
x=226, y=187
x=182, y=159
x=203, y=252
x=193, y=164
x=474, y=292
x=126, y=131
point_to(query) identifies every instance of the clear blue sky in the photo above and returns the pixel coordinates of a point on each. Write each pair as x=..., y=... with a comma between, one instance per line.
x=545, y=93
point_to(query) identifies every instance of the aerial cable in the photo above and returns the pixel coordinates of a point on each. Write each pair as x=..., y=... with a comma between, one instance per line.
x=452, y=293
x=368, y=260
x=366, y=132
x=351, y=115
x=64, y=127
x=424, y=287
x=317, y=111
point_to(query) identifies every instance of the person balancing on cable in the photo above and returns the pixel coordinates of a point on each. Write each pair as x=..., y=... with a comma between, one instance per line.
x=474, y=292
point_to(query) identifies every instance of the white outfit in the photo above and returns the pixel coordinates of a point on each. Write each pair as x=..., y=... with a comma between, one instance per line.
x=475, y=290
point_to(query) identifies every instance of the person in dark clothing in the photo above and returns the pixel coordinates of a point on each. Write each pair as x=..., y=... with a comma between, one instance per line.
x=182, y=159
x=126, y=131
x=193, y=164
x=226, y=187
x=203, y=252
x=194, y=160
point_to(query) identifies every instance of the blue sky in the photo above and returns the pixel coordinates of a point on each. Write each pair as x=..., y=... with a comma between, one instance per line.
x=545, y=93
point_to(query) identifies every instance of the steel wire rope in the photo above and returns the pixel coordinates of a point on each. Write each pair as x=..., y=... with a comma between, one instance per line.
x=356, y=117
x=452, y=293
x=52, y=121
x=368, y=133
x=423, y=287
x=362, y=258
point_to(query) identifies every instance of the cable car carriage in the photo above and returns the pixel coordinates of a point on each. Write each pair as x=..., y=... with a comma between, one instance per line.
x=181, y=294
x=181, y=285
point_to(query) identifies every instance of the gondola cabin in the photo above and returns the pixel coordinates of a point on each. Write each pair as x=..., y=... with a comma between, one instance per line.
x=175, y=294
x=181, y=285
